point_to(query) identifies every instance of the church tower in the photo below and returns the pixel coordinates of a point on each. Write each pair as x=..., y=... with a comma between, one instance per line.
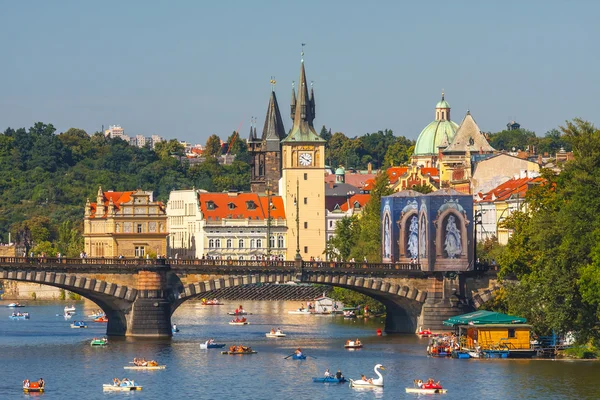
x=266, y=151
x=303, y=177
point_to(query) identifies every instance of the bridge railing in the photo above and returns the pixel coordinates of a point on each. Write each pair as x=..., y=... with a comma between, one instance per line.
x=231, y=263
x=86, y=260
x=362, y=265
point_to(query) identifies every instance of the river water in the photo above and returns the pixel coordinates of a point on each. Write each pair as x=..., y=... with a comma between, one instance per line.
x=45, y=346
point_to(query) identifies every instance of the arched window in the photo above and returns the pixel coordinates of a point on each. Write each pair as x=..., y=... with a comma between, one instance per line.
x=241, y=243
x=252, y=243
x=272, y=241
x=229, y=243
x=241, y=258
x=259, y=243
x=280, y=243
x=211, y=243
x=218, y=243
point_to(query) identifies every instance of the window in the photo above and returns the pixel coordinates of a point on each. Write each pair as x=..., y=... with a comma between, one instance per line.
x=272, y=241
x=241, y=243
x=211, y=243
x=140, y=251
x=280, y=241
x=356, y=205
x=511, y=333
x=231, y=206
x=306, y=225
x=250, y=205
x=259, y=243
x=331, y=224
x=229, y=243
x=139, y=228
x=305, y=176
x=241, y=258
x=305, y=249
x=252, y=243
x=210, y=205
x=218, y=243
x=306, y=200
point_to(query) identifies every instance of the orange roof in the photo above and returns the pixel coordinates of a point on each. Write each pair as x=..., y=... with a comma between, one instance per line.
x=240, y=206
x=117, y=197
x=396, y=172
x=362, y=199
x=198, y=151
x=429, y=170
x=510, y=189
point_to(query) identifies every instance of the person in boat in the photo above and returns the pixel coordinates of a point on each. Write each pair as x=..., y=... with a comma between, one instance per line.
x=327, y=374
x=279, y=331
x=298, y=352
x=175, y=327
x=41, y=383
x=339, y=375
x=272, y=331
x=210, y=341
x=26, y=383
x=116, y=382
x=232, y=348
x=348, y=342
x=357, y=342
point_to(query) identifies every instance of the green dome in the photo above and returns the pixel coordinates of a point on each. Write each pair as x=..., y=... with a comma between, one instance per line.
x=435, y=134
x=442, y=104
x=340, y=171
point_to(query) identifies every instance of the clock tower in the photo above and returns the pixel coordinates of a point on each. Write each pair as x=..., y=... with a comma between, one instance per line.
x=302, y=182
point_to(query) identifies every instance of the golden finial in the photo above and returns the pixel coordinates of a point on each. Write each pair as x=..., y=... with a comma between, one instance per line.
x=442, y=94
x=273, y=82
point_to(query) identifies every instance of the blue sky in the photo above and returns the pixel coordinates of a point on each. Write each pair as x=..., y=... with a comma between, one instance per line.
x=187, y=69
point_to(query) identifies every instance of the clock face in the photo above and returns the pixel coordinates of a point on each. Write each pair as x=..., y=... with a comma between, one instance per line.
x=305, y=159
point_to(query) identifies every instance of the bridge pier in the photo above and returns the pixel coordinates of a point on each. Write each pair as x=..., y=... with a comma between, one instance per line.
x=442, y=302
x=150, y=314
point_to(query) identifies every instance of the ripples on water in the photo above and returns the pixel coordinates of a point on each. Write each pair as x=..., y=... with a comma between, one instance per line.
x=47, y=347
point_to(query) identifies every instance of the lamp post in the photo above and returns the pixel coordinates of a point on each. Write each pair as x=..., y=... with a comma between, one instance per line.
x=268, y=220
x=478, y=220
x=297, y=204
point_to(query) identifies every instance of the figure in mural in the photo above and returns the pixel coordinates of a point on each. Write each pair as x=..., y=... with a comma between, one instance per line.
x=422, y=239
x=413, y=238
x=452, y=244
x=387, y=237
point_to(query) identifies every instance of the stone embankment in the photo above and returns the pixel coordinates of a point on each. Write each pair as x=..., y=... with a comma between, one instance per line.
x=267, y=292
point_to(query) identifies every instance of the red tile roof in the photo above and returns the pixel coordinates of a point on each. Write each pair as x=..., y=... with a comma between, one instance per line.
x=362, y=199
x=396, y=172
x=510, y=189
x=117, y=197
x=239, y=206
x=429, y=170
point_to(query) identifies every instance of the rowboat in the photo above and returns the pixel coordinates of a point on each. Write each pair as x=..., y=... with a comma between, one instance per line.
x=205, y=346
x=33, y=387
x=14, y=305
x=148, y=367
x=275, y=335
x=79, y=324
x=329, y=379
x=298, y=357
x=426, y=391
x=233, y=353
x=123, y=387
x=99, y=342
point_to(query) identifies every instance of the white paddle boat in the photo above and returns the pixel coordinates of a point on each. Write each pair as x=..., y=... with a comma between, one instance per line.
x=372, y=382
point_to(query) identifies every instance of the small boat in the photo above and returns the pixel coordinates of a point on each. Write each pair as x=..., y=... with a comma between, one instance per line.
x=97, y=315
x=329, y=379
x=239, y=323
x=148, y=367
x=14, y=305
x=101, y=319
x=214, y=302
x=300, y=311
x=79, y=324
x=298, y=357
x=425, y=333
x=369, y=383
x=206, y=346
x=460, y=354
x=349, y=314
x=275, y=334
x=68, y=315
x=70, y=309
x=233, y=353
x=243, y=312
x=19, y=316
x=351, y=344
x=123, y=387
x=33, y=387
x=426, y=391
x=175, y=330
x=99, y=342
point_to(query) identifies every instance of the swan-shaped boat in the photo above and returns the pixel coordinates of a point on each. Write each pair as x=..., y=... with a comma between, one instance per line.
x=378, y=382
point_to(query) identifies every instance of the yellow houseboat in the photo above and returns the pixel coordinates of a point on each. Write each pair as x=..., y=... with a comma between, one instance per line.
x=489, y=334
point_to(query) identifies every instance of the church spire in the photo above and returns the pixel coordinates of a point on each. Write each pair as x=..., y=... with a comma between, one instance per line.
x=293, y=101
x=273, y=130
x=252, y=136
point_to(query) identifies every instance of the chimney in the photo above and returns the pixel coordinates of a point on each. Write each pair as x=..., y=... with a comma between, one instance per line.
x=330, y=185
x=370, y=168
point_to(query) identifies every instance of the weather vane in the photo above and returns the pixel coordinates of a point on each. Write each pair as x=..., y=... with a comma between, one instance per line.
x=303, y=44
x=273, y=82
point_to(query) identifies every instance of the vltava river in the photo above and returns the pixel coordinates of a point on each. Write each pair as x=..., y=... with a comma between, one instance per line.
x=45, y=346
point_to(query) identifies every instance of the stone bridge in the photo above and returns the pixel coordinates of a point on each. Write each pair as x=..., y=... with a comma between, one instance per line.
x=139, y=296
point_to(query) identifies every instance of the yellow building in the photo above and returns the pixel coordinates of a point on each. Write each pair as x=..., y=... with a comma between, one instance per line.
x=302, y=181
x=129, y=224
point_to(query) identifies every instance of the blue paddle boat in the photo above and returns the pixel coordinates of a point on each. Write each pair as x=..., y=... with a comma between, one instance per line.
x=19, y=316
x=329, y=379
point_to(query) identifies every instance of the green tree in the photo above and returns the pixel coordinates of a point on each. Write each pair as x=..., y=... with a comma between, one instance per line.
x=422, y=189
x=166, y=149
x=347, y=232
x=213, y=146
x=325, y=133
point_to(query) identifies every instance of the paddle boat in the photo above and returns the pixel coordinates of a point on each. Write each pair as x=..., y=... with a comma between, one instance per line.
x=148, y=367
x=242, y=312
x=329, y=379
x=300, y=311
x=101, y=319
x=210, y=344
x=78, y=324
x=353, y=344
x=298, y=357
x=426, y=388
x=349, y=314
x=99, y=342
x=364, y=382
x=213, y=302
x=275, y=333
x=235, y=350
x=19, y=316
x=97, y=314
x=14, y=305
x=70, y=309
x=125, y=385
x=424, y=333
x=33, y=387
x=239, y=321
